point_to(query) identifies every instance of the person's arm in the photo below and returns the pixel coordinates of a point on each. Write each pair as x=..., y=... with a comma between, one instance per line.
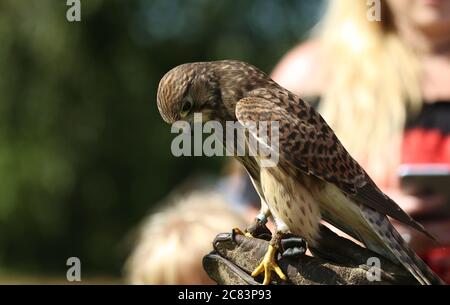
x=301, y=70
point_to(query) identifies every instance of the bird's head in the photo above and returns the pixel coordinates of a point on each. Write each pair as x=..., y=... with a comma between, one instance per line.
x=188, y=89
x=209, y=88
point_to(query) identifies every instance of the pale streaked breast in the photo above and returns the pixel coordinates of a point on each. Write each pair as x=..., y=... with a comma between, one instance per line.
x=291, y=203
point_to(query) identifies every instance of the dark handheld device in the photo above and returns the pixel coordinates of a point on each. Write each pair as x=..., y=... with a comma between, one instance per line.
x=426, y=178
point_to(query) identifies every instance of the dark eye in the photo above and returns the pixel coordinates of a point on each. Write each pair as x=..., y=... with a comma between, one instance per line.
x=187, y=105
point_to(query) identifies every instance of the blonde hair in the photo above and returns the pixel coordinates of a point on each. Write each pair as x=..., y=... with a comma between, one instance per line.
x=173, y=241
x=373, y=80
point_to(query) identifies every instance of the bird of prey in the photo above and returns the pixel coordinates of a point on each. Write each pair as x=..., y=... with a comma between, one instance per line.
x=315, y=178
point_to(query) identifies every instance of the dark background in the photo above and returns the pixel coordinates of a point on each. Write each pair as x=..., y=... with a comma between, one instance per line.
x=84, y=153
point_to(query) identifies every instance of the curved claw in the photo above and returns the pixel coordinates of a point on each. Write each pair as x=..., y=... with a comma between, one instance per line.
x=268, y=265
x=239, y=232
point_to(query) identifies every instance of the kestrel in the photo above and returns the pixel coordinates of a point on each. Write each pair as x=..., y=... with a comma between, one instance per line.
x=315, y=178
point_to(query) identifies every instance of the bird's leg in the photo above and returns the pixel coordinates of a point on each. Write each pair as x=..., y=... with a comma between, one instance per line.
x=269, y=262
x=258, y=227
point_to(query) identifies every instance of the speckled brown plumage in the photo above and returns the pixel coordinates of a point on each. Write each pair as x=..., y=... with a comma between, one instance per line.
x=315, y=177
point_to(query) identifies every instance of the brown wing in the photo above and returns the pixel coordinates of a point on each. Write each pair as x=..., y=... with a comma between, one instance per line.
x=308, y=143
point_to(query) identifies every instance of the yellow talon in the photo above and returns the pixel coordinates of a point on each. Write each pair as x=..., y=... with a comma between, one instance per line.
x=268, y=265
x=239, y=231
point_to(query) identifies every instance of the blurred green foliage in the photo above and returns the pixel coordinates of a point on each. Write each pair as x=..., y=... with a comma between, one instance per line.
x=83, y=151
